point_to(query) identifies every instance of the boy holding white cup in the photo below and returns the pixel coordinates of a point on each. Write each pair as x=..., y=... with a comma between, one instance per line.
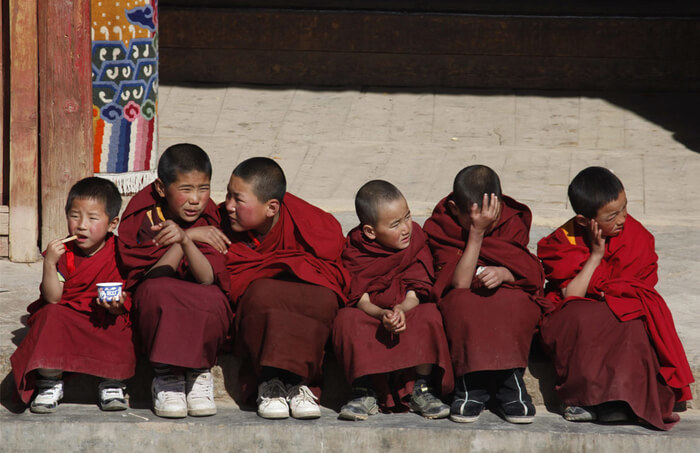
x=71, y=328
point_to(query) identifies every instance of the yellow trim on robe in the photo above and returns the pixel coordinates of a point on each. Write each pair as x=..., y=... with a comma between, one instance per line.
x=568, y=229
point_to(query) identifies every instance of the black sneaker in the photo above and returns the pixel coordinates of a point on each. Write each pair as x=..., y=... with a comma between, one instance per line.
x=362, y=405
x=613, y=412
x=111, y=396
x=518, y=411
x=423, y=402
x=465, y=411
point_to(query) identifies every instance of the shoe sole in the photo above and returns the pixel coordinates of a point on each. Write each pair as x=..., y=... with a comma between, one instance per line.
x=520, y=420
x=463, y=418
x=579, y=418
x=306, y=416
x=42, y=410
x=201, y=412
x=358, y=417
x=274, y=416
x=442, y=414
x=170, y=414
x=114, y=406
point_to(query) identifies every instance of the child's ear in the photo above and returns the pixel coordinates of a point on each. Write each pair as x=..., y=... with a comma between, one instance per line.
x=582, y=221
x=368, y=231
x=113, y=224
x=452, y=207
x=160, y=187
x=273, y=207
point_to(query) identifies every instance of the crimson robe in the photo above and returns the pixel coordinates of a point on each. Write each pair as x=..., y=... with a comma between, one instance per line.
x=180, y=321
x=76, y=334
x=480, y=334
x=623, y=285
x=287, y=288
x=361, y=342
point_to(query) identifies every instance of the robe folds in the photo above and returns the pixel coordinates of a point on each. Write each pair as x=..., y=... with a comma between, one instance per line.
x=488, y=329
x=180, y=322
x=361, y=343
x=622, y=286
x=287, y=289
x=76, y=334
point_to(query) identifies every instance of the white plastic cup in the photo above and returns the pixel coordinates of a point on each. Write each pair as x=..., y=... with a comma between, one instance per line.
x=109, y=291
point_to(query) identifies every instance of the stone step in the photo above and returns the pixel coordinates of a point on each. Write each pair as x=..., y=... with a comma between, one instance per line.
x=85, y=428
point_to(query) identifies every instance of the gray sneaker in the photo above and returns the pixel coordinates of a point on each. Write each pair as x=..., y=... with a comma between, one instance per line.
x=362, y=405
x=423, y=402
x=580, y=414
x=111, y=396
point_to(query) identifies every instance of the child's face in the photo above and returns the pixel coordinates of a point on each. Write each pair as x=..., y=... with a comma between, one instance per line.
x=88, y=220
x=394, y=225
x=245, y=210
x=611, y=217
x=186, y=197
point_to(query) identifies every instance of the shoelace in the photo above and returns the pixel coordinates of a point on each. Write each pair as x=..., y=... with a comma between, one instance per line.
x=171, y=387
x=49, y=393
x=302, y=394
x=273, y=389
x=201, y=388
x=110, y=393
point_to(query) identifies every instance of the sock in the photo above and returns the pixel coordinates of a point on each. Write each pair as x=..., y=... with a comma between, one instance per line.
x=421, y=380
x=161, y=369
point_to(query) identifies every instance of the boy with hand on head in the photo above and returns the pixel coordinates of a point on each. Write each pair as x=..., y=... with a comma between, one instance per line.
x=488, y=287
x=287, y=283
x=389, y=330
x=611, y=337
x=70, y=328
x=180, y=312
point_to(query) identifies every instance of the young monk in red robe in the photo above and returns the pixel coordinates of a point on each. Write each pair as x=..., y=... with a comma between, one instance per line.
x=180, y=312
x=488, y=288
x=389, y=330
x=287, y=283
x=611, y=337
x=70, y=328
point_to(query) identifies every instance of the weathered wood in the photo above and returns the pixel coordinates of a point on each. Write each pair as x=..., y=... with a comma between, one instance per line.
x=402, y=33
x=327, y=47
x=24, y=198
x=66, y=106
x=356, y=69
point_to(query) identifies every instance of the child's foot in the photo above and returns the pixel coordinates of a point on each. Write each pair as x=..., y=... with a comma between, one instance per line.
x=362, y=405
x=169, y=396
x=302, y=403
x=465, y=411
x=48, y=393
x=272, y=399
x=580, y=414
x=518, y=411
x=200, y=393
x=111, y=396
x=423, y=402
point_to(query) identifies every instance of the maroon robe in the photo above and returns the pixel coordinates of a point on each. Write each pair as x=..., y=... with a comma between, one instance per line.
x=76, y=334
x=287, y=287
x=488, y=329
x=180, y=321
x=622, y=321
x=361, y=342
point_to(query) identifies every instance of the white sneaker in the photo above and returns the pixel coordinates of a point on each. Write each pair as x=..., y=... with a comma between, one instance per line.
x=169, y=396
x=272, y=399
x=302, y=403
x=200, y=393
x=111, y=397
x=48, y=393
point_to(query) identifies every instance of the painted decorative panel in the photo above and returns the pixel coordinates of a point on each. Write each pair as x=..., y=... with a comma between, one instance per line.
x=125, y=91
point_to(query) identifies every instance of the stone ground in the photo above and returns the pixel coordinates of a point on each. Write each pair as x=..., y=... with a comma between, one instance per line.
x=329, y=142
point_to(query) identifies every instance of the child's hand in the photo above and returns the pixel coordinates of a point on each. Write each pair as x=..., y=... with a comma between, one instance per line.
x=394, y=321
x=169, y=233
x=54, y=251
x=210, y=235
x=483, y=219
x=493, y=276
x=115, y=306
x=597, y=240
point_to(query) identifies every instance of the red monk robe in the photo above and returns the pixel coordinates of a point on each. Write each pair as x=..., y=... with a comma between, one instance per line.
x=287, y=286
x=76, y=334
x=488, y=329
x=614, y=344
x=180, y=322
x=361, y=342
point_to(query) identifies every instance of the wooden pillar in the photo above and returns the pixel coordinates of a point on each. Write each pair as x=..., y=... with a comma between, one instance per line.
x=23, y=199
x=66, y=106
